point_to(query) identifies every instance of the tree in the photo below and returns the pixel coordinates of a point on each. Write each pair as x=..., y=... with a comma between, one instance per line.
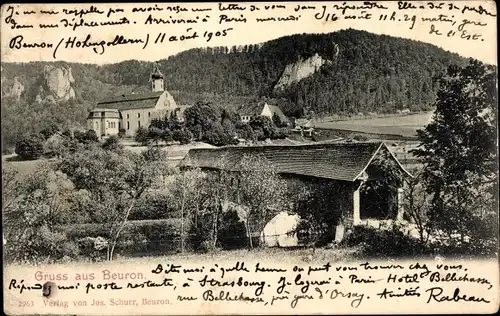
x=91, y=136
x=416, y=206
x=186, y=192
x=276, y=120
x=30, y=147
x=458, y=149
x=265, y=124
x=49, y=130
x=33, y=208
x=155, y=134
x=115, y=181
x=87, y=137
x=55, y=146
x=260, y=193
x=142, y=136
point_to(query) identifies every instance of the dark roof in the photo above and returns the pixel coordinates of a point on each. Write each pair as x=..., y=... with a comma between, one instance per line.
x=132, y=101
x=251, y=109
x=156, y=74
x=331, y=161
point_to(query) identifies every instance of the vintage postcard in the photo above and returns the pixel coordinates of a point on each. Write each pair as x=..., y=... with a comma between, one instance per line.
x=250, y=158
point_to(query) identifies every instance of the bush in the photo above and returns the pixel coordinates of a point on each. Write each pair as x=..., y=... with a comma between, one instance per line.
x=142, y=136
x=245, y=131
x=160, y=235
x=152, y=207
x=40, y=245
x=112, y=143
x=30, y=147
x=232, y=234
x=379, y=243
x=93, y=248
x=121, y=132
x=167, y=136
x=55, y=146
x=265, y=124
x=282, y=132
x=49, y=130
x=360, y=138
x=87, y=137
x=183, y=136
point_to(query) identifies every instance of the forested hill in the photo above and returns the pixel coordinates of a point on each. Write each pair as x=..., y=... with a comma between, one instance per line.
x=359, y=71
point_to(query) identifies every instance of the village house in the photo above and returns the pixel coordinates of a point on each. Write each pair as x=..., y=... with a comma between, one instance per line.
x=344, y=168
x=129, y=112
x=261, y=109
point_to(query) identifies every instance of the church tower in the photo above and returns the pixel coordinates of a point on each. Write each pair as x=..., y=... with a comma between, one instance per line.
x=156, y=79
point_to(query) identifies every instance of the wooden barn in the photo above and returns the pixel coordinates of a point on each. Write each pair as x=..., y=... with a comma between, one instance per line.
x=344, y=167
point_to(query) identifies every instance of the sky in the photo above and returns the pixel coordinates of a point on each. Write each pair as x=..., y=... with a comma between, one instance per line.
x=442, y=27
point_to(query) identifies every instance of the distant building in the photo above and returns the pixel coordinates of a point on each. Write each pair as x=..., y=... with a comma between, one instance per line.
x=129, y=112
x=261, y=109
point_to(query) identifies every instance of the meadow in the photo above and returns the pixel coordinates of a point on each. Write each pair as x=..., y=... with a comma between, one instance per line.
x=406, y=125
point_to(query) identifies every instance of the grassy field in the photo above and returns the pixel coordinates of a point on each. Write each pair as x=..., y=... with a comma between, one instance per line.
x=282, y=255
x=404, y=125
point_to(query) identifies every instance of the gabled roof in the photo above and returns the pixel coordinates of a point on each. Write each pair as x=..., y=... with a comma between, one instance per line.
x=251, y=109
x=156, y=74
x=337, y=161
x=257, y=108
x=132, y=101
x=276, y=109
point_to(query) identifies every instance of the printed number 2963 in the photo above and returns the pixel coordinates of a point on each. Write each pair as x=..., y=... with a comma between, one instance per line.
x=26, y=304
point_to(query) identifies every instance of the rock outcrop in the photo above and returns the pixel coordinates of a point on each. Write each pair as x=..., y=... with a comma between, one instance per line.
x=13, y=88
x=17, y=88
x=56, y=85
x=300, y=70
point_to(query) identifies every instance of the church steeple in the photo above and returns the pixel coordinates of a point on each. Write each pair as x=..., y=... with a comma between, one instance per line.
x=156, y=79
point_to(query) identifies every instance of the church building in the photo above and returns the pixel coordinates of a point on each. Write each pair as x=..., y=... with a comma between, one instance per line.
x=129, y=112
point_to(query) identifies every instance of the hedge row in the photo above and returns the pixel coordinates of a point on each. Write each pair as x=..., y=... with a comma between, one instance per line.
x=137, y=236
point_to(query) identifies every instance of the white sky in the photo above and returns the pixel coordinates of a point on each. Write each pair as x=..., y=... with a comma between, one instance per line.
x=243, y=33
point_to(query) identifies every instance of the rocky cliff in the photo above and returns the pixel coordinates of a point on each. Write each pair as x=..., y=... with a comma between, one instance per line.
x=56, y=84
x=13, y=88
x=300, y=70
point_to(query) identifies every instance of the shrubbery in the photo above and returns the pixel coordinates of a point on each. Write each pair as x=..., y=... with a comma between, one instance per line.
x=30, y=147
x=112, y=143
x=137, y=236
x=232, y=234
x=379, y=243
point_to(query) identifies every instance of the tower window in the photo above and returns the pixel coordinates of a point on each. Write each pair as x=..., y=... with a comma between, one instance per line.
x=138, y=115
x=128, y=125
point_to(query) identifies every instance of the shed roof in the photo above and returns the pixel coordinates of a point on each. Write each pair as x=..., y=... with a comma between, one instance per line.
x=337, y=161
x=132, y=101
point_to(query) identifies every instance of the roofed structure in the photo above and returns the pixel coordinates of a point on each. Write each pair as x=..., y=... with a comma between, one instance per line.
x=261, y=109
x=132, y=101
x=337, y=161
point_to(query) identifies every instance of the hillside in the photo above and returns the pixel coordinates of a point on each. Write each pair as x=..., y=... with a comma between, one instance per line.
x=348, y=71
